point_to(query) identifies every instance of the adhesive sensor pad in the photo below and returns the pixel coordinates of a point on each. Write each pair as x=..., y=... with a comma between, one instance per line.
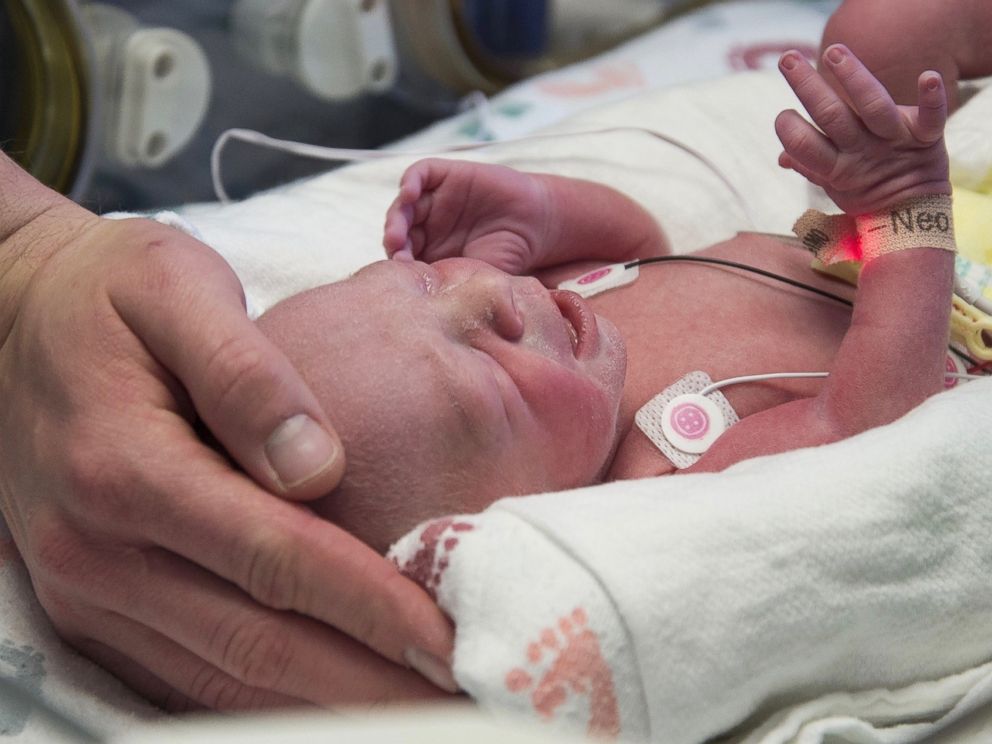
x=692, y=423
x=683, y=424
x=599, y=280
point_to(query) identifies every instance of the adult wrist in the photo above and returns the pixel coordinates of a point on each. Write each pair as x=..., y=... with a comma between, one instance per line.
x=35, y=223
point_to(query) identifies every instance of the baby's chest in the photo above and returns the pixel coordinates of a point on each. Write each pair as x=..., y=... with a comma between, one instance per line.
x=678, y=318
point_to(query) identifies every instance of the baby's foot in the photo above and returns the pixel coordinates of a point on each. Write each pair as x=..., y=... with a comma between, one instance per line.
x=428, y=564
x=574, y=664
x=449, y=208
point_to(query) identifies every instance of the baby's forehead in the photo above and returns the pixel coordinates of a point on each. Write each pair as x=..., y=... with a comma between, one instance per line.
x=357, y=297
x=379, y=272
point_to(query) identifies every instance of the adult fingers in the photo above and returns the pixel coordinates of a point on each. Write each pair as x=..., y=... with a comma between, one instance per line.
x=824, y=105
x=184, y=682
x=245, y=390
x=869, y=97
x=260, y=648
x=139, y=679
x=932, y=108
x=805, y=145
x=281, y=554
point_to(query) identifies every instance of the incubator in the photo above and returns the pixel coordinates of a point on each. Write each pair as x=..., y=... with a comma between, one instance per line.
x=117, y=103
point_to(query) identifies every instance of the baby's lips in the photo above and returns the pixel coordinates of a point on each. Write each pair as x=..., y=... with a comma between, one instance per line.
x=576, y=311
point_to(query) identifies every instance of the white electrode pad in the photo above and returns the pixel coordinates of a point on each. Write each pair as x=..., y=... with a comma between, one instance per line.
x=685, y=430
x=601, y=279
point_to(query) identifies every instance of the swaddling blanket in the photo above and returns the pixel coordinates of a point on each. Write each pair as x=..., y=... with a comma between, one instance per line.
x=675, y=609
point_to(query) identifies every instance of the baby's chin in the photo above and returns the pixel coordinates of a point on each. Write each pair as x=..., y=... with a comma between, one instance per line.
x=609, y=368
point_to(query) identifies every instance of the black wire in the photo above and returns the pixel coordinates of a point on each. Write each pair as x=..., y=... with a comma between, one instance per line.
x=742, y=267
x=767, y=274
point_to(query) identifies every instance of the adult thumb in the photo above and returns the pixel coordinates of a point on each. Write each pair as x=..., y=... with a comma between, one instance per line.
x=242, y=386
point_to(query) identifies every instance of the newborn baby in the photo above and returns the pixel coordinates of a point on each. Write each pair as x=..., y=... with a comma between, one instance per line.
x=459, y=377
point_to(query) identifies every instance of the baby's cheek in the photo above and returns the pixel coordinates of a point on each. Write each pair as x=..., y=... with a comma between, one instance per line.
x=578, y=423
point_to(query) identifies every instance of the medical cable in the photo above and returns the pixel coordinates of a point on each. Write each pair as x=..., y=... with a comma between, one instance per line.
x=761, y=378
x=743, y=267
x=974, y=365
x=320, y=152
x=802, y=376
x=19, y=694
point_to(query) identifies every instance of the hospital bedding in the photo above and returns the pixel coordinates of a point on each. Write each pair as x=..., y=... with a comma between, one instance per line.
x=826, y=592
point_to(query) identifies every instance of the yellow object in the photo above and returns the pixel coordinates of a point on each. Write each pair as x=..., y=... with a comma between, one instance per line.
x=971, y=328
x=973, y=225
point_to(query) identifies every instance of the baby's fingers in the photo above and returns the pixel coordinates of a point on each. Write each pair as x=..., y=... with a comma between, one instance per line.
x=407, y=210
x=824, y=105
x=869, y=97
x=396, y=233
x=932, y=116
x=809, y=152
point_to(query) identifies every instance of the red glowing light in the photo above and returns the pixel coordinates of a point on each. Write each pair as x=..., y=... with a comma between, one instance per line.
x=852, y=248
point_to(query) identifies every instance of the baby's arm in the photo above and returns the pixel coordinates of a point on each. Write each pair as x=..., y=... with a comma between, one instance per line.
x=898, y=38
x=519, y=222
x=869, y=159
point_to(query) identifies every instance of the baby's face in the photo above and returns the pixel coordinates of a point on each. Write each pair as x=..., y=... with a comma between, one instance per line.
x=451, y=385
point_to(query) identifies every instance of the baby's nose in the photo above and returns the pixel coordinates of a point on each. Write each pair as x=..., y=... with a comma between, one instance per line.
x=488, y=298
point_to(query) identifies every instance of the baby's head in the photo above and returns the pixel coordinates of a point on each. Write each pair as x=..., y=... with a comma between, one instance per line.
x=452, y=385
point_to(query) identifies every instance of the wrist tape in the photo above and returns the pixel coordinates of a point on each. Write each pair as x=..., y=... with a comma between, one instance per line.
x=921, y=222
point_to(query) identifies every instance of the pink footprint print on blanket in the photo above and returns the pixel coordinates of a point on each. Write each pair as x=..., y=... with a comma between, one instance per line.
x=428, y=564
x=577, y=666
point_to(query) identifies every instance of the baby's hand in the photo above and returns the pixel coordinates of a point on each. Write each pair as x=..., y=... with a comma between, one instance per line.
x=872, y=156
x=449, y=208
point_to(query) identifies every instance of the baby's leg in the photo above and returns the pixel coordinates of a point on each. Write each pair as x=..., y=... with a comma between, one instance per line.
x=516, y=221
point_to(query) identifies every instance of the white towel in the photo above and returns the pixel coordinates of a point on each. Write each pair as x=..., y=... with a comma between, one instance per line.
x=676, y=609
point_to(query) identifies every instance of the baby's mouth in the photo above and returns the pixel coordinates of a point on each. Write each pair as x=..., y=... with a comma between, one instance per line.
x=579, y=320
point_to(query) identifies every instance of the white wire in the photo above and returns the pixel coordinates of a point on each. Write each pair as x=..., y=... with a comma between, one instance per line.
x=340, y=153
x=802, y=375
x=758, y=378
x=964, y=376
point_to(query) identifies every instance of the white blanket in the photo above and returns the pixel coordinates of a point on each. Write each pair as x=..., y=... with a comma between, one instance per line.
x=680, y=608
x=894, y=522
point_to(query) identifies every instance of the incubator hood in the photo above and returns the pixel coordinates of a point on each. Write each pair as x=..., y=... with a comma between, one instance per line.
x=118, y=102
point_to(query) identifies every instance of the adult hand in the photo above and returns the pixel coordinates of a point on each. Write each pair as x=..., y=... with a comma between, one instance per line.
x=150, y=552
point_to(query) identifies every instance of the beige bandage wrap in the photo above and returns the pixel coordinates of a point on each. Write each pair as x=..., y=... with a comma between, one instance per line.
x=922, y=222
